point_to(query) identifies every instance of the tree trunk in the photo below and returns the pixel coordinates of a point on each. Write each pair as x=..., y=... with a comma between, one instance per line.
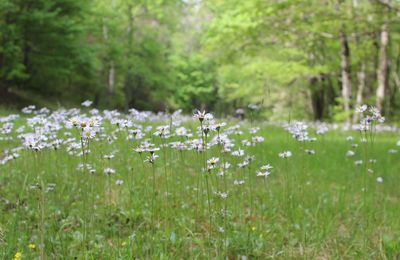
x=111, y=79
x=383, y=65
x=345, y=73
x=129, y=75
x=111, y=67
x=317, y=97
x=360, y=89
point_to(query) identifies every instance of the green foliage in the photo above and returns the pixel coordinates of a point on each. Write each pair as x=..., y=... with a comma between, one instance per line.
x=196, y=81
x=216, y=54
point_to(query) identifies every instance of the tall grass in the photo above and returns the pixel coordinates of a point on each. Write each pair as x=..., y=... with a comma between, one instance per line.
x=177, y=206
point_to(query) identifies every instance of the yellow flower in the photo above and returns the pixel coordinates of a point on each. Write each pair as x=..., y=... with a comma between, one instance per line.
x=123, y=243
x=17, y=256
x=253, y=228
x=32, y=246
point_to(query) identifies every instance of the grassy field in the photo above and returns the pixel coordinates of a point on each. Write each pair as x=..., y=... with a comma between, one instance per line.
x=67, y=192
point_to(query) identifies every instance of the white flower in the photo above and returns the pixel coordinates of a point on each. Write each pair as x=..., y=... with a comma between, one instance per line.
x=379, y=179
x=263, y=174
x=108, y=156
x=212, y=163
x=350, y=153
x=202, y=115
x=226, y=165
x=253, y=107
x=238, y=153
x=88, y=133
x=361, y=109
x=266, y=167
x=238, y=182
x=87, y=103
x=109, y=171
x=221, y=230
x=181, y=131
x=358, y=162
x=309, y=151
x=285, y=154
x=222, y=195
x=254, y=130
x=151, y=158
x=119, y=182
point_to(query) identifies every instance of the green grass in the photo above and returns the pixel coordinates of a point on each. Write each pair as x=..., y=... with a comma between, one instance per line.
x=310, y=207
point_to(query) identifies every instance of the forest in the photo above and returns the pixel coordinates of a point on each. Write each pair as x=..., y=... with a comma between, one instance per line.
x=312, y=59
x=199, y=129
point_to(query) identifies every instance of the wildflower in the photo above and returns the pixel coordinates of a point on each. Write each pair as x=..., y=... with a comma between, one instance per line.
x=322, y=129
x=162, y=131
x=246, y=142
x=309, y=151
x=285, y=154
x=238, y=182
x=17, y=256
x=119, y=182
x=239, y=111
x=152, y=150
x=88, y=133
x=379, y=179
x=87, y=103
x=253, y=107
x=350, y=153
x=139, y=150
x=32, y=246
x=266, y=167
x=263, y=173
x=206, y=129
x=212, y=163
x=108, y=156
x=151, y=158
x=219, y=126
x=221, y=230
x=226, y=165
x=361, y=109
x=202, y=115
x=254, y=130
x=243, y=164
x=109, y=171
x=93, y=123
x=257, y=139
x=181, y=131
x=222, y=195
x=238, y=153
x=358, y=162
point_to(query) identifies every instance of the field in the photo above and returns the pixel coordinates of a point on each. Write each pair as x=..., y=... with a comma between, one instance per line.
x=88, y=184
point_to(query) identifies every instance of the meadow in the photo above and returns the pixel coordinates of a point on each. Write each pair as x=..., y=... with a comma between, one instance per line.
x=89, y=184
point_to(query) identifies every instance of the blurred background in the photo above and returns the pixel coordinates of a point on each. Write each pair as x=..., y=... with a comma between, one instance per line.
x=312, y=59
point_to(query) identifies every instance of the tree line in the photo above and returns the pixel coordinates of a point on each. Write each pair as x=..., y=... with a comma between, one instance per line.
x=315, y=59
